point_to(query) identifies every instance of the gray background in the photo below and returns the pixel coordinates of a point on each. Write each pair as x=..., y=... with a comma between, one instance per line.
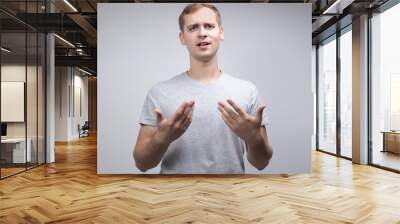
x=268, y=44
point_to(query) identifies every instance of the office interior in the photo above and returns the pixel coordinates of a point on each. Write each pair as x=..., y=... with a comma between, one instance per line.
x=48, y=80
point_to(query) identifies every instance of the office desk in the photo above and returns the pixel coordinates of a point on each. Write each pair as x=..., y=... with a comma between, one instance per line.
x=391, y=141
x=13, y=150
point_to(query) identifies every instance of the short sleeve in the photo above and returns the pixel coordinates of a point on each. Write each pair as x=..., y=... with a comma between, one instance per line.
x=148, y=116
x=256, y=102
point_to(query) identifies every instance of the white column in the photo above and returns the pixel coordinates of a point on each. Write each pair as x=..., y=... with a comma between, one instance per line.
x=50, y=100
x=360, y=90
x=50, y=92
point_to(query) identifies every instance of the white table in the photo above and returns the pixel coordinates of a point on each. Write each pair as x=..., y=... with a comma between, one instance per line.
x=18, y=145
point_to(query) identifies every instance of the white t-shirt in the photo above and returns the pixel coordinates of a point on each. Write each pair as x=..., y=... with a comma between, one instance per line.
x=208, y=146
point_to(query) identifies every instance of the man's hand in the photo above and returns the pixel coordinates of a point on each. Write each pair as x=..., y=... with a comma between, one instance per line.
x=242, y=124
x=248, y=128
x=170, y=129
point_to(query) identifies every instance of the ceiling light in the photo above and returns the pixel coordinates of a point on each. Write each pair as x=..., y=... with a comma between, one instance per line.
x=84, y=71
x=70, y=5
x=338, y=6
x=5, y=50
x=331, y=7
x=64, y=40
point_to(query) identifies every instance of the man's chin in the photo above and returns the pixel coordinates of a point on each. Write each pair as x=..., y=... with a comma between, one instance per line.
x=204, y=58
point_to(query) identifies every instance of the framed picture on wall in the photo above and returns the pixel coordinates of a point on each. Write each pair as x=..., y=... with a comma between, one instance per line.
x=12, y=101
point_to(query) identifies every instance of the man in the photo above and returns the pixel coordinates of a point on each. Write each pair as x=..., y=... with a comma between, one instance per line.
x=200, y=121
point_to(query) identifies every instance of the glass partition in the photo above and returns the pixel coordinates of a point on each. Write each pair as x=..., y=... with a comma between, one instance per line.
x=13, y=110
x=32, y=95
x=327, y=96
x=22, y=77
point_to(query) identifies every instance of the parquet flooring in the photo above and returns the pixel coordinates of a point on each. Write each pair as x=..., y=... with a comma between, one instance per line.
x=10, y=171
x=70, y=191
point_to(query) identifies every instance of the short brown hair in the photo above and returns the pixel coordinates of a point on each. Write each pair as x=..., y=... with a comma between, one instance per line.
x=192, y=8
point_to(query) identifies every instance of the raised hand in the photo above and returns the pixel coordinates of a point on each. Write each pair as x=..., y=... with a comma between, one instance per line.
x=170, y=129
x=241, y=123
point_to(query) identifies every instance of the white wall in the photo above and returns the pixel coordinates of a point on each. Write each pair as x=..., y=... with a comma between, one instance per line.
x=268, y=44
x=16, y=72
x=61, y=103
x=67, y=81
x=80, y=83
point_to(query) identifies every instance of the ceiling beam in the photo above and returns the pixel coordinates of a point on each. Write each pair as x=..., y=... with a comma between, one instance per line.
x=84, y=61
x=86, y=26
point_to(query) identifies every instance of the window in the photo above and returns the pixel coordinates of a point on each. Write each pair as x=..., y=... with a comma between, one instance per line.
x=385, y=89
x=327, y=96
x=346, y=93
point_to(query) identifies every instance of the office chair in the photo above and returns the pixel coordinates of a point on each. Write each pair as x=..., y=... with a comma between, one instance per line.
x=84, y=130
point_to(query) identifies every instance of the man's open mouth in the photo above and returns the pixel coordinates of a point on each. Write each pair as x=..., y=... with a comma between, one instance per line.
x=203, y=44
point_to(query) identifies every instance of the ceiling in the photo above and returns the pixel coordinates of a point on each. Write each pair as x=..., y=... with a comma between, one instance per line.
x=76, y=22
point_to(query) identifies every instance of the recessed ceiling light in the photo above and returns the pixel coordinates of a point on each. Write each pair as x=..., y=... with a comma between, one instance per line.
x=334, y=8
x=64, y=40
x=5, y=50
x=84, y=71
x=70, y=5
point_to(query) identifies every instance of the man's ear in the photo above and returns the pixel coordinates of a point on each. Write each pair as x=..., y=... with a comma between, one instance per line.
x=181, y=38
x=221, y=34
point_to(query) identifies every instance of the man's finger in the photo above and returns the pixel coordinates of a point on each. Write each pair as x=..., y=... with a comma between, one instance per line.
x=159, y=115
x=184, y=115
x=179, y=112
x=226, y=120
x=232, y=114
x=236, y=107
x=259, y=113
x=187, y=114
x=188, y=120
x=225, y=114
x=181, y=115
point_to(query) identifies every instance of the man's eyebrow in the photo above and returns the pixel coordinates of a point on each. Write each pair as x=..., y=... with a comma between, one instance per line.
x=190, y=25
x=197, y=24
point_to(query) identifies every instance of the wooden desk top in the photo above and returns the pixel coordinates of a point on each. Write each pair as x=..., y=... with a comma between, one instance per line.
x=390, y=132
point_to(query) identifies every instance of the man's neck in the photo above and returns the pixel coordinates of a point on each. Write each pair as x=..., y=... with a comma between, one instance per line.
x=206, y=72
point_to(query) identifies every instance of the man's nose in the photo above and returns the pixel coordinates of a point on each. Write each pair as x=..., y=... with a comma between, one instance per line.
x=202, y=32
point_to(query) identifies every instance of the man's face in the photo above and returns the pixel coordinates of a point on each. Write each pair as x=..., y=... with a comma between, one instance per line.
x=202, y=34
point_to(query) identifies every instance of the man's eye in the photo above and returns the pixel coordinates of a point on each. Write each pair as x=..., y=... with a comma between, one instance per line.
x=209, y=26
x=192, y=28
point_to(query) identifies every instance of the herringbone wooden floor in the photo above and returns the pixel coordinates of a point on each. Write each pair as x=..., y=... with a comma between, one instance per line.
x=70, y=191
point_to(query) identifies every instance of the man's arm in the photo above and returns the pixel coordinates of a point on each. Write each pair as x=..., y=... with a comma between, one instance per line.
x=249, y=129
x=152, y=142
x=148, y=151
x=259, y=150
